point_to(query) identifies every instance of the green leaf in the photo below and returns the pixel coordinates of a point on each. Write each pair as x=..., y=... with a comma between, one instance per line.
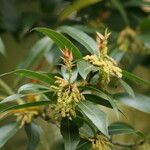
x=36, y=51
x=121, y=9
x=81, y=37
x=127, y=88
x=70, y=133
x=61, y=41
x=33, y=132
x=26, y=105
x=7, y=132
x=75, y=6
x=120, y=128
x=105, y=96
x=30, y=87
x=134, y=78
x=2, y=47
x=32, y=75
x=84, y=145
x=95, y=115
x=139, y=102
x=84, y=68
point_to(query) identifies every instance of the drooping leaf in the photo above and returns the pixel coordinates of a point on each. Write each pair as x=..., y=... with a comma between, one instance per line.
x=32, y=75
x=139, y=102
x=85, y=68
x=127, y=88
x=26, y=105
x=70, y=133
x=95, y=115
x=81, y=37
x=75, y=6
x=30, y=87
x=7, y=131
x=134, y=78
x=2, y=47
x=36, y=51
x=33, y=132
x=123, y=128
x=61, y=41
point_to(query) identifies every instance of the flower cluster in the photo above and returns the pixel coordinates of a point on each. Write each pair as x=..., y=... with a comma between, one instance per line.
x=108, y=67
x=68, y=96
x=128, y=40
x=100, y=142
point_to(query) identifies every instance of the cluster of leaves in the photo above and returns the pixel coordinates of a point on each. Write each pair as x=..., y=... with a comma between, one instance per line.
x=83, y=17
x=90, y=120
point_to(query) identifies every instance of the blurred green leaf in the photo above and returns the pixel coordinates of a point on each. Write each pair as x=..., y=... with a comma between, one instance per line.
x=95, y=115
x=81, y=37
x=75, y=6
x=61, y=41
x=134, y=78
x=70, y=133
x=7, y=132
x=33, y=132
x=121, y=9
x=128, y=88
x=2, y=47
x=139, y=102
x=120, y=128
x=36, y=51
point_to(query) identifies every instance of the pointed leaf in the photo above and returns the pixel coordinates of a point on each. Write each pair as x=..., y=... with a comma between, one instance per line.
x=127, y=88
x=134, y=78
x=140, y=102
x=81, y=37
x=70, y=133
x=7, y=131
x=61, y=41
x=95, y=115
x=33, y=132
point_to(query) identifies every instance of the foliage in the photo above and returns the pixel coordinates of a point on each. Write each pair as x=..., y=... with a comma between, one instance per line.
x=77, y=74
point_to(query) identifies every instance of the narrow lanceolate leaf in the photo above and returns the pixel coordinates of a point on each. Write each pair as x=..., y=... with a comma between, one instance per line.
x=84, y=68
x=7, y=131
x=26, y=105
x=81, y=37
x=134, y=78
x=36, y=51
x=33, y=132
x=139, y=102
x=2, y=47
x=75, y=6
x=105, y=96
x=127, y=87
x=123, y=128
x=61, y=41
x=30, y=87
x=120, y=128
x=84, y=145
x=95, y=115
x=70, y=133
x=32, y=75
